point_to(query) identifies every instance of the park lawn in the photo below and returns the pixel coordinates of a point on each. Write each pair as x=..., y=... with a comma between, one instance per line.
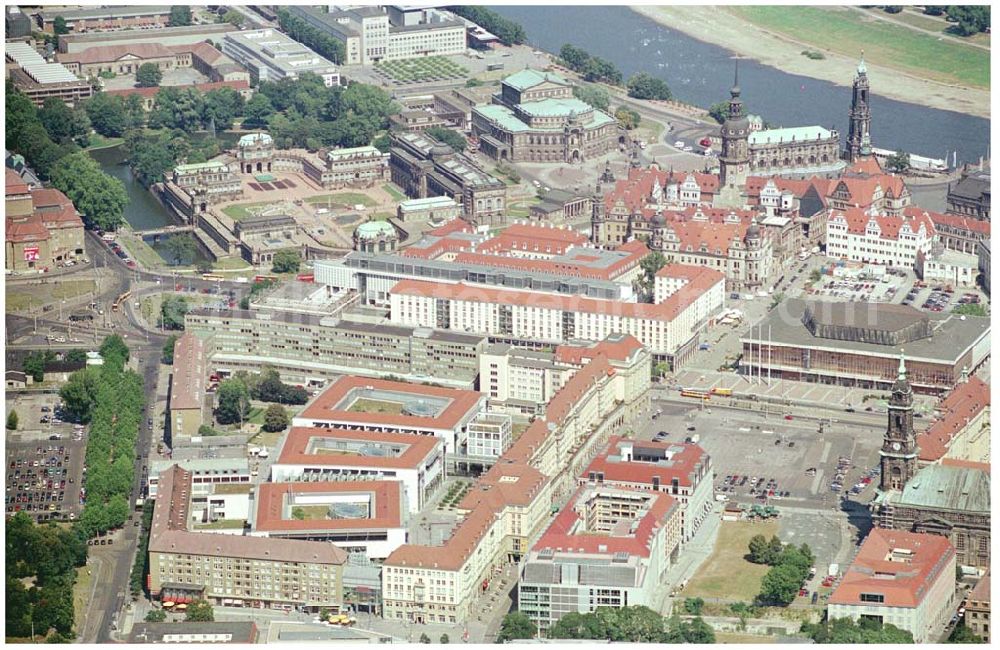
x=343, y=198
x=914, y=18
x=391, y=190
x=29, y=297
x=364, y=405
x=382, y=216
x=81, y=596
x=144, y=254
x=847, y=32
x=241, y=211
x=267, y=439
x=222, y=524
x=231, y=264
x=726, y=574
x=314, y=512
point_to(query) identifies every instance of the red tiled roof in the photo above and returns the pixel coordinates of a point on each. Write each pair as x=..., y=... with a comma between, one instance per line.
x=620, y=349
x=187, y=388
x=108, y=53
x=664, y=311
x=295, y=449
x=684, y=464
x=968, y=464
x=954, y=221
x=981, y=592
x=26, y=229
x=169, y=533
x=866, y=165
x=857, y=222
x=635, y=191
x=961, y=405
x=55, y=209
x=14, y=184
x=325, y=406
x=560, y=536
x=901, y=583
x=202, y=88
x=385, y=495
x=486, y=505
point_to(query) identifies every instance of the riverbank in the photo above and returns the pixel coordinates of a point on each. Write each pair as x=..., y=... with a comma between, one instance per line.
x=721, y=26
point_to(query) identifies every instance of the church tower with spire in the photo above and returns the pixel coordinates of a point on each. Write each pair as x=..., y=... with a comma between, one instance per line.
x=861, y=115
x=734, y=159
x=899, y=447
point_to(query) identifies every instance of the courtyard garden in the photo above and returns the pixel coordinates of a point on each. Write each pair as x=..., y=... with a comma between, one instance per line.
x=431, y=68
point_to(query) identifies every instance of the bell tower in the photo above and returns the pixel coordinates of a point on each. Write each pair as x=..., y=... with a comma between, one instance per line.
x=734, y=159
x=861, y=115
x=899, y=447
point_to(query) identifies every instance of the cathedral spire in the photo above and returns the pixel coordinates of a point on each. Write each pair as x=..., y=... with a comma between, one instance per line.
x=902, y=365
x=735, y=90
x=862, y=69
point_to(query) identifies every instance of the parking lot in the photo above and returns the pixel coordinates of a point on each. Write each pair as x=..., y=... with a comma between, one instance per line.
x=44, y=460
x=760, y=459
x=859, y=290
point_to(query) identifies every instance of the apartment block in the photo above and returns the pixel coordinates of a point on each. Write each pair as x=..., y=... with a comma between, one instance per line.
x=234, y=569
x=307, y=349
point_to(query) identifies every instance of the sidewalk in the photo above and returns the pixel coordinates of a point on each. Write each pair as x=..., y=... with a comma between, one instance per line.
x=694, y=554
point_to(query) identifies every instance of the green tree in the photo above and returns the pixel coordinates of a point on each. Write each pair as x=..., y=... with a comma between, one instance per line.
x=78, y=394
x=172, y=312
x=179, y=249
x=203, y=266
x=168, y=349
x=594, y=95
x=12, y=421
x=257, y=111
x=574, y=57
x=232, y=17
x=275, y=418
x=660, y=369
x=57, y=118
x=200, y=612
x=180, y=16
x=962, y=634
x=234, y=402
x=774, y=549
x=508, y=31
x=150, y=159
x=114, y=351
x=34, y=366
x=76, y=356
x=898, y=162
x=298, y=513
x=452, y=138
x=845, y=630
x=100, y=198
x=645, y=86
x=59, y=26
x=424, y=638
x=719, y=111
x=156, y=616
x=969, y=19
x=107, y=114
x=892, y=9
x=759, y=550
x=178, y=108
x=651, y=264
x=780, y=585
x=444, y=638
x=694, y=606
x=473, y=83
x=286, y=261
x=627, y=118
x=148, y=75
x=222, y=106
x=382, y=142
x=516, y=625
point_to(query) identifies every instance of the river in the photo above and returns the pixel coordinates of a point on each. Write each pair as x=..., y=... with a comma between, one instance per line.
x=143, y=210
x=701, y=74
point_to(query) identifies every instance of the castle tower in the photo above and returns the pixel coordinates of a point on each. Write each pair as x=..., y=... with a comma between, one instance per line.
x=734, y=159
x=899, y=447
x=861, y=114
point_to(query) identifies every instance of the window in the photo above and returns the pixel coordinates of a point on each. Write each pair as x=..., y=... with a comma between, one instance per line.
x=872, y=598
